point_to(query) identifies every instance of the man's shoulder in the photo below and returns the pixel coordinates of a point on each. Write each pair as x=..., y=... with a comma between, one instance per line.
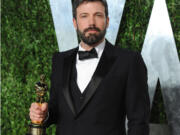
x=124, y=53
x=128, y=57
x=119, y=51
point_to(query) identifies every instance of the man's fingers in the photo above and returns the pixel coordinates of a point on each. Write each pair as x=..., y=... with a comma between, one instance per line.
x=38, y=112
x=33, y=118
x=36, y=117
x=42, y=115
x=35, y=106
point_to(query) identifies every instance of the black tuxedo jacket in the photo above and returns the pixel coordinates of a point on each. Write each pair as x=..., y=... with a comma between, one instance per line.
x=117, y=89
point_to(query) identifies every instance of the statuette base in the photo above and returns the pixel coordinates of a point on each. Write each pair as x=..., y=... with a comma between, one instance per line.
x=36, y=129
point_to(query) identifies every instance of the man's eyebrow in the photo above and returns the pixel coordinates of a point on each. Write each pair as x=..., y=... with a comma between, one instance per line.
x=94, y=13
x=83, y=13
x=99, y=13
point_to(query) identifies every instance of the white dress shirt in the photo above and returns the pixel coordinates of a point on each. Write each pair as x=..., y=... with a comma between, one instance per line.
x=86, y=68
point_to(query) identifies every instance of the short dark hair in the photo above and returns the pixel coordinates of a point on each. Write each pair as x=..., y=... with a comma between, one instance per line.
x=76, y=3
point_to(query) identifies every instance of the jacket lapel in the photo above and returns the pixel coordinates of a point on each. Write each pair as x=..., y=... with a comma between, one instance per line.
x=102, y=69
x=68, y=63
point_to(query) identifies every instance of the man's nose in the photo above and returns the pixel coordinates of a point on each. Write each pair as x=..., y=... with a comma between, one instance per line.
x=92, y=21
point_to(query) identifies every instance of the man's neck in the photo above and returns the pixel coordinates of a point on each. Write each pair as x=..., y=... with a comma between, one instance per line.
x=89, y=47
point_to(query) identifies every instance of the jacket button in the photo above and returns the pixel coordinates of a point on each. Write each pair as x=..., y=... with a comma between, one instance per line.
x=81, y=97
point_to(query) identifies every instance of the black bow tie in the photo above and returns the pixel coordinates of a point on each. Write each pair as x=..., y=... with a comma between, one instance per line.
x=87, y=54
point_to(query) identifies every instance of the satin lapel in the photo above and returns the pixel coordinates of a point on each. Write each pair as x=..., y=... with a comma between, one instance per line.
x=68, y=63
x=102, y=69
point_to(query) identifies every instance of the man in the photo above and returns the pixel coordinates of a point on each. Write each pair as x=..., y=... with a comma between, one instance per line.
x=95, y=86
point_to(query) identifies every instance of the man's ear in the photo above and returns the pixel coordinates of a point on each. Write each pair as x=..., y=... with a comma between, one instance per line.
x=107, y=22
x=75, y=23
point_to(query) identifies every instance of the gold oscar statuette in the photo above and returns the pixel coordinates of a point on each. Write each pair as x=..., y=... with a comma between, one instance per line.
x=37, y=127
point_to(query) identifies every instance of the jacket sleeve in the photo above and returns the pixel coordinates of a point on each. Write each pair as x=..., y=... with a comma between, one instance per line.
x=52, y=103
x=137, y=97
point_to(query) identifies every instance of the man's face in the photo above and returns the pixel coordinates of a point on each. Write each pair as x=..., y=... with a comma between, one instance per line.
x=91, y=22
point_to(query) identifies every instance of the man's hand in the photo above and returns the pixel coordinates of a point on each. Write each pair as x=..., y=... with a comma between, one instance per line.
x=38, y=112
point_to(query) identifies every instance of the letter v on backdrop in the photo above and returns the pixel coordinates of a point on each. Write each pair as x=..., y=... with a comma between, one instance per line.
x=159, y=49
x=160, y=55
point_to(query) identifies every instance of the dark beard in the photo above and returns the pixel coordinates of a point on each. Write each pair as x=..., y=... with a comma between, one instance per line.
x=92, y=38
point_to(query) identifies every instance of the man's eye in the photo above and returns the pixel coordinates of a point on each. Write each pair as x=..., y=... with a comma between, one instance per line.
x=83, y=16
x=99, y=15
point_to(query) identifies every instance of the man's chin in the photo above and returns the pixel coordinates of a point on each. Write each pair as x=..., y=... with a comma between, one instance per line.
x=92, y=42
